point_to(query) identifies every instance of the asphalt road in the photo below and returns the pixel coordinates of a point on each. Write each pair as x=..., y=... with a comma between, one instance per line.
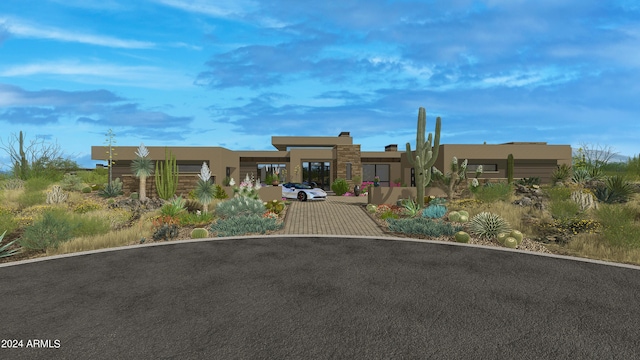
x=318, y=298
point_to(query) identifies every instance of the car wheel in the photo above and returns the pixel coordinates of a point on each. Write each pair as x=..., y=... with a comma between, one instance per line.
x=302, y=196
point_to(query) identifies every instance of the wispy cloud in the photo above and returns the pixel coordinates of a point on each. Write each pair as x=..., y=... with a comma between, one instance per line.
x=19, y=28
x=92, y=72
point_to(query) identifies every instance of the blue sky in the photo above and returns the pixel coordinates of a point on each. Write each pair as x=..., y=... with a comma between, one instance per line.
x=233, y=73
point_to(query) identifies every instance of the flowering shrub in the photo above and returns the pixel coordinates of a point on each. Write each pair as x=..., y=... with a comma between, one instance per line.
x=247, y=188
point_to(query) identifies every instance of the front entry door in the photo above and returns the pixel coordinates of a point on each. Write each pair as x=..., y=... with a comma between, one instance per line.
x=318, y=172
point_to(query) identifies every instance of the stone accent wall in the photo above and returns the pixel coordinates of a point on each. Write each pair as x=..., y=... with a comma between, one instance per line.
x=347, y=154
x=186, y=183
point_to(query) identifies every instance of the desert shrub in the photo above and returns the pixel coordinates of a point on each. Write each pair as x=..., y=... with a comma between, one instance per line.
x=49, y=231
x=86, y=206
x=488, y=225
x=94, y=177
x=186, y=218
x=219, y=193
x=274, y=206
x=37, y=184
x=389, y=214
x=86, y=189
x=492, y=192
x=434, y=211
x=564, y=209
x=8, y=221
x=559, y=193
x=422, y=226
x=241, y=225
x=71, y=183
x=340, y=186
x=240, y=206
x=30, y=198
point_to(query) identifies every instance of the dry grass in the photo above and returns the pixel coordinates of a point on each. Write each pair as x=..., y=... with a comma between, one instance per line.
x=10, y=198
x=595, y=246
x=128, y=236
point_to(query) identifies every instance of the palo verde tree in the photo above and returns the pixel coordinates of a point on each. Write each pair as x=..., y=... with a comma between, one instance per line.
x=35, y=158
x=426, y=154
x=142, y=168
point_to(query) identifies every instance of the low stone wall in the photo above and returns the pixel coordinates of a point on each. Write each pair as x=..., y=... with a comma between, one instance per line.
x=186, y=183
x=391, y=195
x=266, y=193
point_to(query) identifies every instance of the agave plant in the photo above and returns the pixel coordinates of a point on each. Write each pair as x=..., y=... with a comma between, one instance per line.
x=142, y=167
x=488, y=225
x=616, y=190
x=4, y=250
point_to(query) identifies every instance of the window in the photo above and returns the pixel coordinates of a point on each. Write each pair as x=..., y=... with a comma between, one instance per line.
x=369, y=171
x=348, y=171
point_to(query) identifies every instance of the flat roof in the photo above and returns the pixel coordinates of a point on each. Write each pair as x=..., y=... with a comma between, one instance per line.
x=283, y=142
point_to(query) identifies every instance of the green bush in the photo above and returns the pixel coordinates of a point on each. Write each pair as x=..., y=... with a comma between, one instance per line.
x=37, y=184
x=564, y=209
x=49, y=231
x=619, y=225
x=219, y=193
x=240, y=206
x=86, y=190
x=241, y=225
x=275, y=206
x=422, y=226
x=97, y=176
x=559, y=193
x=71, y=183
x=488, y=225
x=8, y=221
x=340, y=186
x=31, y=197
x=187, y=218
x=493, y=192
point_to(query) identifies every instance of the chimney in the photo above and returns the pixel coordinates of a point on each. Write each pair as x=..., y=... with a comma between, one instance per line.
x=391, y=147
x=344, y=133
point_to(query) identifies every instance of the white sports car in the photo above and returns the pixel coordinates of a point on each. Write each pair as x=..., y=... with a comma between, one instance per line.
x=302, y=192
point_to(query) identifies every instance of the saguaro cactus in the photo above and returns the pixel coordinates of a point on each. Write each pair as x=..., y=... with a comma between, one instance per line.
x=426, y=154
x=510, y=169
x=167, y=176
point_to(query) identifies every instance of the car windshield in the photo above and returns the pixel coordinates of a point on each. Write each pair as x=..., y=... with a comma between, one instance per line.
x=302, y=186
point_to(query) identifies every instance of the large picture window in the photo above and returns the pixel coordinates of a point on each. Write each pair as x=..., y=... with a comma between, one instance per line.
x=369, y=171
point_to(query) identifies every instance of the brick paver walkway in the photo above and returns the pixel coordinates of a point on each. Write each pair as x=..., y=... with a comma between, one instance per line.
x=338, y=215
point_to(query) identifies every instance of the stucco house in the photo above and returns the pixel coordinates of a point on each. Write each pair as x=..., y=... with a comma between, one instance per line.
x=322, y=159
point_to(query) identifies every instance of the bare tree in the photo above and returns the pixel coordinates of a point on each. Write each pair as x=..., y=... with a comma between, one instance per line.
x=593, y=155
x=35, y=157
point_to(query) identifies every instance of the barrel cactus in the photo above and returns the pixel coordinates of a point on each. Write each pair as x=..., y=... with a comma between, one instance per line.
x=199, y=233
x=454, y=216
x=511, y=243
x=464, y=218
x=501, y=237
x=372, y=208
x=464, y=213
x=516, y=234
x=488, y=225
x=462, y=237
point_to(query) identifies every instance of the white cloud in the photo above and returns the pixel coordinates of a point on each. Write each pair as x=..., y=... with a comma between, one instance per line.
x=205, y=7
x=23, y=29
x=102, y=73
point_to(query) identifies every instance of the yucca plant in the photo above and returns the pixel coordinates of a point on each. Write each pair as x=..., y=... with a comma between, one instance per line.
x=488, y=225
x=4, y=250
x=174, y=207
x=561, y=174
x=142, y=167
x=616, y=190
x=205, y=190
